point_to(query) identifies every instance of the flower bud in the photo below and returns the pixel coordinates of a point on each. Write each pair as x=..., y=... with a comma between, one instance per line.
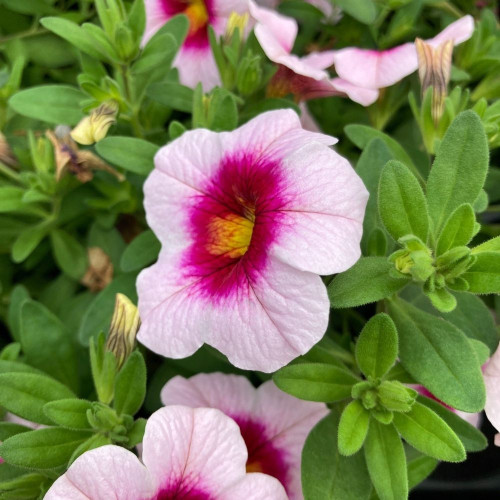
x=100, y=271
x=434, y=66
x=249, y=75
x=236, y=22
x=394, y=396
x=94, y=127
x=123, y=329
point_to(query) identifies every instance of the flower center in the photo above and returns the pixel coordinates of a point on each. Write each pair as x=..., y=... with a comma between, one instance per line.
x=197, y=14
x=230, y=234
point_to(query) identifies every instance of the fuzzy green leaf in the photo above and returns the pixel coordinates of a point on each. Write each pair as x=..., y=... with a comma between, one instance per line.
x=142, y=251
x=69, y=413
x=130, y=385
x=70, y=255
x=458, y=229
x=484, y=275
x=353, y=427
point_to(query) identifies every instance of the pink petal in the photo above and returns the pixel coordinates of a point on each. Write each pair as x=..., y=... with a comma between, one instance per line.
x=156, y=17
x=320, y=60
x=197, y=64
x=361, y=95
x=376, y=69
x=288, y=421
x=194, y=449
x=224, y=8
x=255, y=487
x=307, y=120
x=106, y=473
x=231, y=394
x=275, y=33
x=491, y=374
x=458, y=31
x=323, y=221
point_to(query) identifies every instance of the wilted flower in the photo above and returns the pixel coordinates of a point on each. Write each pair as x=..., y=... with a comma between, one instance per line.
x=69, y=158
x=187, y=453
x=254, y=216
x=375, y=69
x=124, y=325
x=94, y=127
x=434, y=67
x=194, y=60
x=6, y=155
x=273, y=424
x=304, y=77
x=100, y=271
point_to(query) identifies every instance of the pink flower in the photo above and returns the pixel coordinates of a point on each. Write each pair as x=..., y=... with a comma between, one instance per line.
x=273, y=424
x=190, y=454
x=305, y=77
x=194, y=61
x=375, y=69
x=491, y=374
x=247, y=221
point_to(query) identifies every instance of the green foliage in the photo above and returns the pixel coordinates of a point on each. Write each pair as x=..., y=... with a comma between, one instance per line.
x=353, y=428
x=130, y=385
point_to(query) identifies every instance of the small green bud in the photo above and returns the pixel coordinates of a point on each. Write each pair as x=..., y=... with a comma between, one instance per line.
x=249, y=75
x=383, y=416
x=360, y=388
x=125, y=44
x=394, y=396
x=369, y=399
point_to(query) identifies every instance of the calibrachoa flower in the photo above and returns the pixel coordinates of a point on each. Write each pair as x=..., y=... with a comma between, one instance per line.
x=375, y=69
x=491, y=373
x=273, y=424
x=188, y=454
x=247, y=220
x=304, y=77
x=194, y=60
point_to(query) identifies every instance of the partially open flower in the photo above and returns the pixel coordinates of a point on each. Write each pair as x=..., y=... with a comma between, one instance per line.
x=100, y=271
x=273, y=424
x=194, y=60
x=94, y=127
x=124, y=325
x=69, y=158
x=254, y=216
x=434, y=66
x=236, y=22
x=196, y=454
x=304, y=77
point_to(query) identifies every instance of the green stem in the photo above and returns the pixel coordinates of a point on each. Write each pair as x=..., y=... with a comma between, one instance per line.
x=448, y=7
x=134, y=115
x=24, y=34
x=11, y=174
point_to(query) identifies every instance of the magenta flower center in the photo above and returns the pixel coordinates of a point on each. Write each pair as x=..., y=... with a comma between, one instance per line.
x=180, y=492
x=233, y=222
x=199, y=14
x=263, y=456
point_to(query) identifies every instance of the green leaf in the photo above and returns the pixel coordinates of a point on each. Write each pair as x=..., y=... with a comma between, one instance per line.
x=353, y=428
x=142, y=251
x=11, y=351
x=471, y=437
x=223, y=111
x=484, y=275
x=97, y=318
x=136, y=433
x=377, y=346
x=361, y=135
x=459, y=170
x=177, y=26
x=69, y=413
x=134, y=155
x=18, y=296
x=130, y=385
x=42, y=449
x=439, y=356
x=328, y=475
x=315, y=381
x=77, y=36
x=137, y=19
x=8, y=429
x=367, y=281
x=491, y=245
x=17, y=367
x=171, y=94
x=419, y=468
x=25, y=394
x=27, y=241
x=159, y=52
x=70, y=255
x=429, y=434
x=57, y=104
x=364, y=11
x=386, y=461
x=458, y=229
x=55, y=354
x=401, y=202
x=23, y=486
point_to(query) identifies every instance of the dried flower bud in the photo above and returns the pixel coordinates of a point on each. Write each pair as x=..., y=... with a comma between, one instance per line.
x=100, y=271
x=6, y=155
x=123, y=329
x=94, y=127
x=434, y=66
x=236, y=22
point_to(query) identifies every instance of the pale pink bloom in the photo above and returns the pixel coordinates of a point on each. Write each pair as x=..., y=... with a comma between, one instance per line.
x=491, y=374
x=193, y=454
x=273, y=424
x=375, y=69
x=194, y=60
x=307, y=119
x=471, y=418
x=305, y=77
x=247, y=220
